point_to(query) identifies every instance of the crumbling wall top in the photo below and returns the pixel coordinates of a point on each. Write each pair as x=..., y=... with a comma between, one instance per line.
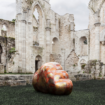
x=96, y=5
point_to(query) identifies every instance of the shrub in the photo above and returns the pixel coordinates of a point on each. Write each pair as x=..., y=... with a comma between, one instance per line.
x=5, y=71
x=12, y=50
x=74, y=65
x=83, y=66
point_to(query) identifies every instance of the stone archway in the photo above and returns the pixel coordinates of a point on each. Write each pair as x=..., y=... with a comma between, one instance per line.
x=38, y=23
x=83, y=46
x=38, y=62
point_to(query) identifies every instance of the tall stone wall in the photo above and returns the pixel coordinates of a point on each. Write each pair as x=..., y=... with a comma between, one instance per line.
x=97, y=27
x=53, y=38
x=9, y=30
x=7, y=53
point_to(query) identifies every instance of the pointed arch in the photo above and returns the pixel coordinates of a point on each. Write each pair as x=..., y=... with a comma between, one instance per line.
x=39, y=25
x=38, y=6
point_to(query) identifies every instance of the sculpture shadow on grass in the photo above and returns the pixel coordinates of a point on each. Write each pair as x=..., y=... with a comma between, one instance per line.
x=51, y=78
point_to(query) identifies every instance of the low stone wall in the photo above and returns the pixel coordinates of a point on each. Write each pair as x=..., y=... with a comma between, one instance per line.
x=15, y=80
x=83, y=77
x=22, y=80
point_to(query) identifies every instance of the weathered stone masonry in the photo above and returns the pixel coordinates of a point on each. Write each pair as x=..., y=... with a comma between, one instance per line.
x=52, y=38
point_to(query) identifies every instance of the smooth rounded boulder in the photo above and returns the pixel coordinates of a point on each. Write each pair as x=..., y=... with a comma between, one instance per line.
x=51, y=78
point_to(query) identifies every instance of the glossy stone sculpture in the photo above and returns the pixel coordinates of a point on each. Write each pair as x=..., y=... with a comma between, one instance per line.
x=50, y=78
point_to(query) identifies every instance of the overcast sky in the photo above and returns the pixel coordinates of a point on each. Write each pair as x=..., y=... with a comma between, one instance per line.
x=77, y=7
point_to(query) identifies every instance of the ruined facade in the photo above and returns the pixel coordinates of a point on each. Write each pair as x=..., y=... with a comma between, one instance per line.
x=52, y=38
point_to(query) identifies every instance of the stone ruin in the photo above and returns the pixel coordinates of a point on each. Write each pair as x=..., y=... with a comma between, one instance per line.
x=28, y=42
x=92, y=70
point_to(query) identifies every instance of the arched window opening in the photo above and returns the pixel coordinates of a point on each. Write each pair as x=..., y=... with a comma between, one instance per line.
x=83, y=46
x=55, y=40
x=38, y=62
x=83, y=40
x=74, y=44
x=55, y=45
x=36, y=15
x=4, y=30
x=37, y=24
x=0, y=53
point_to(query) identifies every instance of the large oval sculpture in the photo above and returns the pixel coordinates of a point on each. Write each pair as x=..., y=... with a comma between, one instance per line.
x=51, y=78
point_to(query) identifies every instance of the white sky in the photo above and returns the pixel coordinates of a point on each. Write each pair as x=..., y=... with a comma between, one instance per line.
x=77, y=7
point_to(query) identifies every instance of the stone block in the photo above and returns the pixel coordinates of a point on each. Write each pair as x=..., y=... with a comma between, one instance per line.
x=21, y=82
x=1, y=83
x=14, y=83
x=103, y=78
x=7, y=82
x=21, y=78
x=1, y=77
x=30, y=82
x=73, y=79
x=13, y=78
x=1, y=68
x=6, y=78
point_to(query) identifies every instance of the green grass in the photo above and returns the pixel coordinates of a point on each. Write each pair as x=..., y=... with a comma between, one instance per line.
x=84, y=93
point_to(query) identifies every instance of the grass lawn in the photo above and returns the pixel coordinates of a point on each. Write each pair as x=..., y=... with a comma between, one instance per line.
x=84, y=93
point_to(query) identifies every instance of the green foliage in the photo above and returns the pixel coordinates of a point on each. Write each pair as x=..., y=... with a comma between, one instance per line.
x=33, y=16
x=12, y=50
x=31, y=2
x=13, y=63
x=100, y=75
x=74, y=65
x=11, y=38
x=83, y=66
x=13, y=20
x=5, y=71
x=93, y=63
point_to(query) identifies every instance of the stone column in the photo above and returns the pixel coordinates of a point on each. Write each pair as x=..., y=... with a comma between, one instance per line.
x=97, y=36
x=30, y=58
x=18, y=29
x=22, y=42
x=29, y=44
x=48, y=40
x=19, y=6
x=72, y=33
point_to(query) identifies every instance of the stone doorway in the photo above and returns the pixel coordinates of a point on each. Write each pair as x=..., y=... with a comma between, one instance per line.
x=38, y=62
